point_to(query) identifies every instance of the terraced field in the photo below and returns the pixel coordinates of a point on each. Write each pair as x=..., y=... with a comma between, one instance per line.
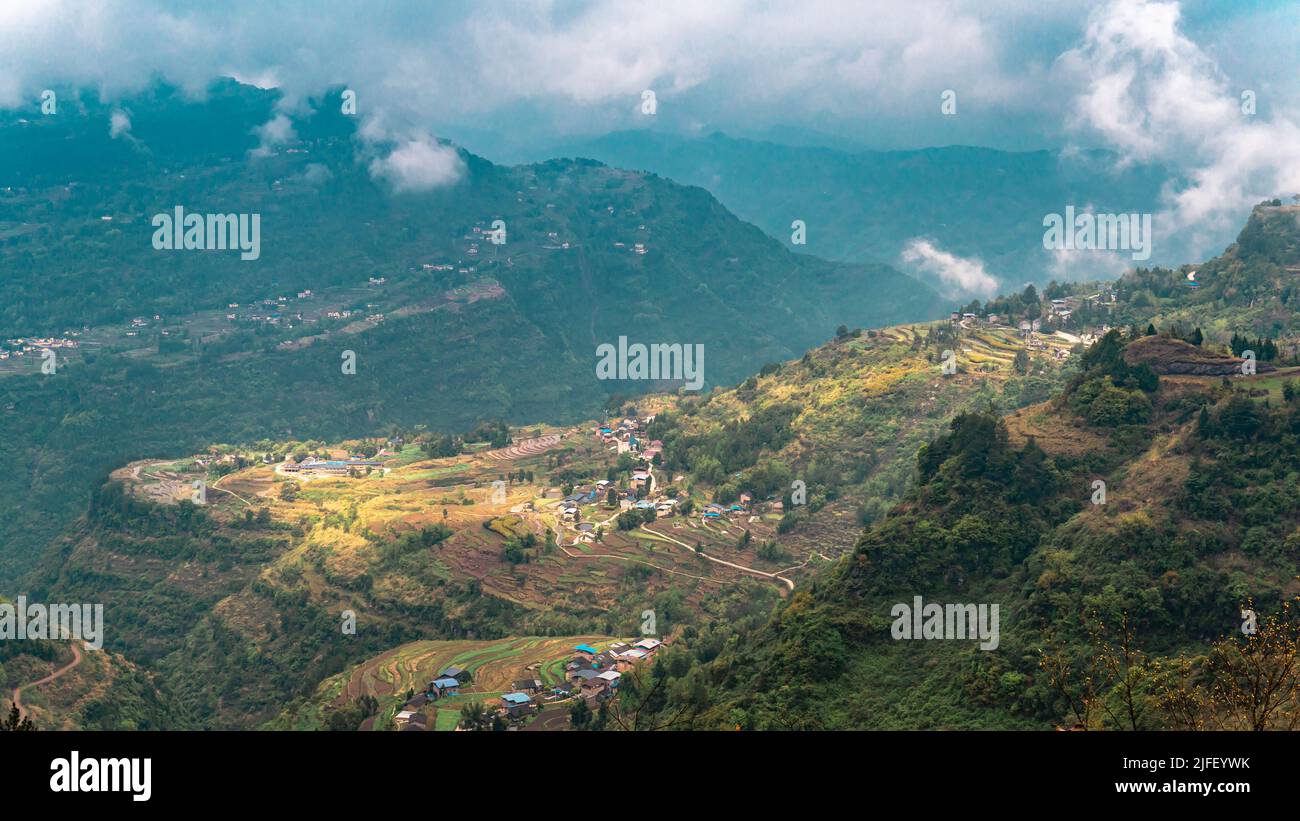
x=987, y=347
x=525, y=448
x=493, y=665
x=345, y=521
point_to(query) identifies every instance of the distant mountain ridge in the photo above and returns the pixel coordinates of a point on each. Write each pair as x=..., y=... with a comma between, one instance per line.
x=973, y=202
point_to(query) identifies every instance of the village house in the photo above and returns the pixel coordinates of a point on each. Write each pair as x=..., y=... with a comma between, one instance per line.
x=577, y=663
x=580, y=676
x=643, y=480
x=445, y=686
x=517, y=705
x=409, y=720
x=634, y=655
x=528, y=685
x=610, y=677
x=594, y=687
x=330, y=467
x=649, y=645
x=416, y=701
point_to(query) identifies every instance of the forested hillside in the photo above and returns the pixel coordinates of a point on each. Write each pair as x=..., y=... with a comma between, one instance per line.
x=1116, y=610
x=1122, y=528
x=175, y=349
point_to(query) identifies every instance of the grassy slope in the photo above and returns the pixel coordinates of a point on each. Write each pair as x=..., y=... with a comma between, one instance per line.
x=493, y=665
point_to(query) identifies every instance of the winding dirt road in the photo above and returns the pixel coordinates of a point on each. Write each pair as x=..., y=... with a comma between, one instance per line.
x=776, y=576
x=76, y=659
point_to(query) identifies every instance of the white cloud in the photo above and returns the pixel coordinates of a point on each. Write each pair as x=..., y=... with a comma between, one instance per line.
x=842, y=58
x=317, y=174
x=119, y=123
x=419, y=165
x=1155, y=95
x=420, y=62
x=963, y=276
x=276, y=131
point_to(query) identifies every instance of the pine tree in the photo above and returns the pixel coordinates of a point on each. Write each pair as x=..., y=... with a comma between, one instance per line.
x=16, y=724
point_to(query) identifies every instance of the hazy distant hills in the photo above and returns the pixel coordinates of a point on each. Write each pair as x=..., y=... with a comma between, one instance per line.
x=75, y=234
x=861, y=206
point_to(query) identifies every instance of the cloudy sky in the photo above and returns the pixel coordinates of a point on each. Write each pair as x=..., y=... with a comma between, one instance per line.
x=1152, y=80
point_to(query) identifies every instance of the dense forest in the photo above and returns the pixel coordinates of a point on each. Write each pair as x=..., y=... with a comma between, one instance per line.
x=1119, y=614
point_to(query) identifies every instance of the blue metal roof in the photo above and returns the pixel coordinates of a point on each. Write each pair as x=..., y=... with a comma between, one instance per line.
x=517, y=698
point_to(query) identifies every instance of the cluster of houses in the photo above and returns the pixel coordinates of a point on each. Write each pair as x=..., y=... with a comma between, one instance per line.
x=593, y=674
x=635, y=497
x=213, y=461
x=23, y=346
x=717, y=511
x=624, y=436
x=628, y=436
x=589, y=674
x=1033, y=332
x=330, y=467
x=448, y=683
x=1058, y=310
x=268, y=311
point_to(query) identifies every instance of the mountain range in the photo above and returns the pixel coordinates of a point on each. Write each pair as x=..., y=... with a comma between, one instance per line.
x=979, y=204
x=1120, y=490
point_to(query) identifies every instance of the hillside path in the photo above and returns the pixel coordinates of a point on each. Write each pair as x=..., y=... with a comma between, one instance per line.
x=741, y=567
x=76, y=659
